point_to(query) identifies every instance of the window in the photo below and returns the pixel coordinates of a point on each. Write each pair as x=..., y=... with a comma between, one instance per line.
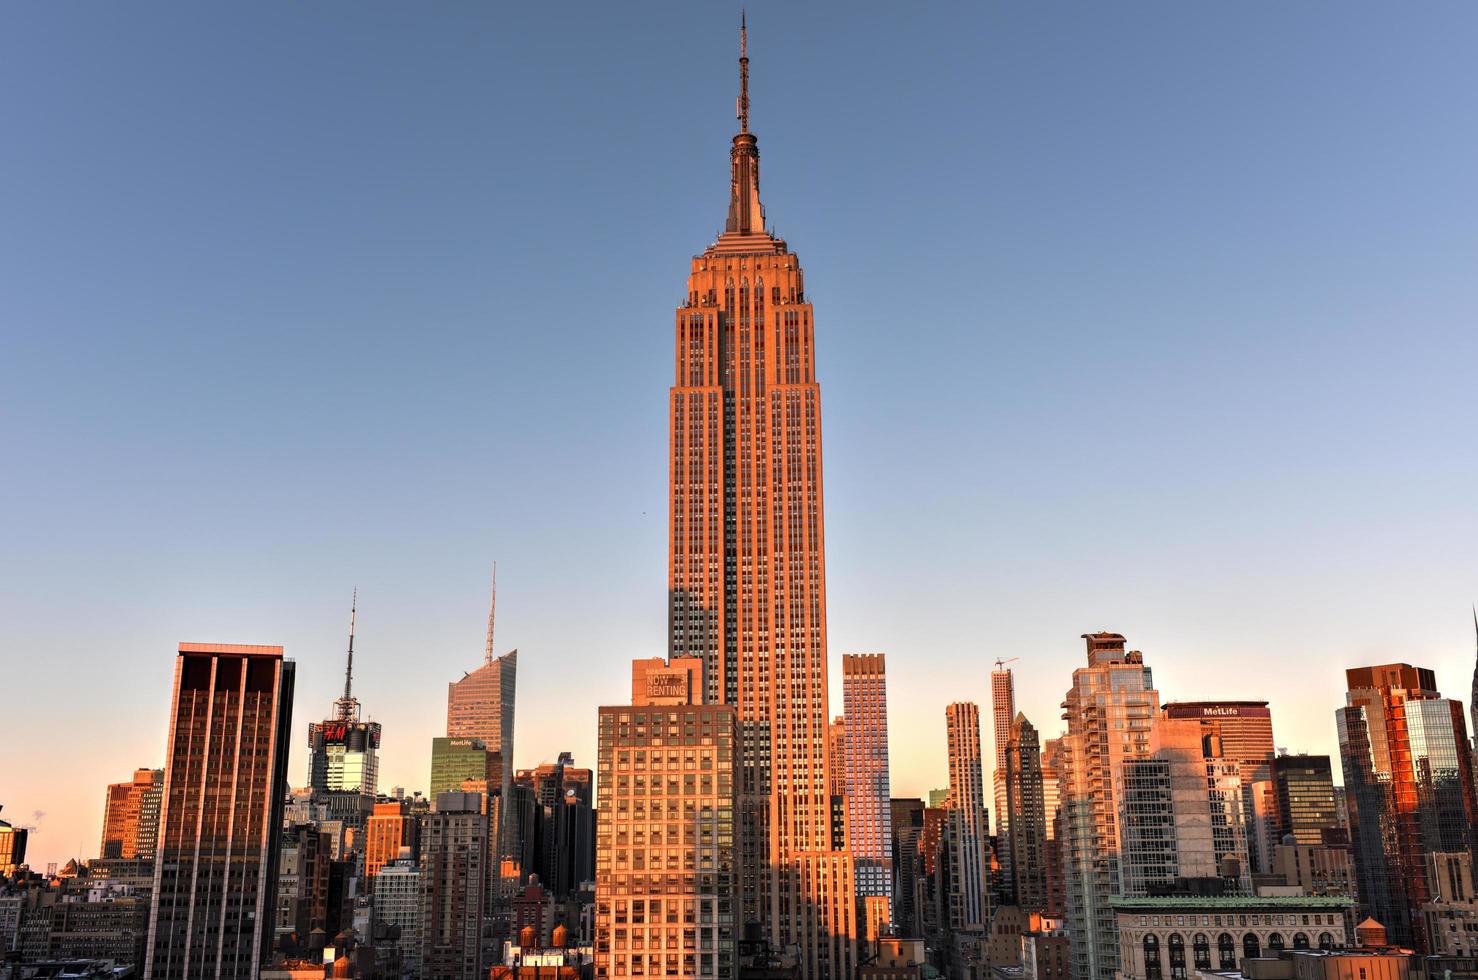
x=1152, y=958
x=1300, y=940
x=1251, y=948
x=1202, y=949
x=1177, y=955
x=1226, y=951
x=1326, y=941
x=1275, y=942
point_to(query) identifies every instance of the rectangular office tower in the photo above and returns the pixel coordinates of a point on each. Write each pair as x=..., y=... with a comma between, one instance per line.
x=746, y=568
x=225, y=781
x=865, y=768
x=1409, y=788
x=666, y=886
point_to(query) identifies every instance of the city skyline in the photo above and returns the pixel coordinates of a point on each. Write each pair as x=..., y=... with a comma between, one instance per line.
x=416, y=634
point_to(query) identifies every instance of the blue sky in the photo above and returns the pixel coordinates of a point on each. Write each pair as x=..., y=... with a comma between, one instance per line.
x=1153, y=317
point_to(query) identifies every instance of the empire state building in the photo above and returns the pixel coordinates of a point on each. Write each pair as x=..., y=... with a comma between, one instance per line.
x=746, y=567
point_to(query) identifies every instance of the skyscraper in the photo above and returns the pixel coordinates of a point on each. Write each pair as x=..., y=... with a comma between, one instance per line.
x=454, y=886
x=1026, y=815
x=1409, y=784
x=967, y=821
x=869, y=831
x=456, y=760
x=12, y=847
x=131, y=817
x=1002, y=712
x=1056, y=886
x=1109, y=712
x=1180, y=814
x=746, y=571
x=481, y=704
x=344, y=752
x=1303, y=786
x=1240, y=732
x=392, y=828
x=225, y=780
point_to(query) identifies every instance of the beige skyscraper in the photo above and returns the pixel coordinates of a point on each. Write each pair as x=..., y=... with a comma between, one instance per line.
x=746, y=570
x=1109, y=710
x=969, y=906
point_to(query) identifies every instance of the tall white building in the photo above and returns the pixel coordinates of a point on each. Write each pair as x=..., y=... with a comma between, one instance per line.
x=967, y=820
x=398, y=903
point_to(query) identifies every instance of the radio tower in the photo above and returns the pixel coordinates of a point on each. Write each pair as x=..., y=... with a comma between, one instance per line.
x=347, y=707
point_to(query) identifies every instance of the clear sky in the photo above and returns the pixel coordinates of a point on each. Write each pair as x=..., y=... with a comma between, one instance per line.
x=1153, y=317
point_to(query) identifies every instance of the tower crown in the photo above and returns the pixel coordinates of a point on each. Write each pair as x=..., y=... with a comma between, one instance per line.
x=746, y=214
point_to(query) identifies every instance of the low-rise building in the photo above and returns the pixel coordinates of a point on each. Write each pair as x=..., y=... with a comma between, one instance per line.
x=1175, y=936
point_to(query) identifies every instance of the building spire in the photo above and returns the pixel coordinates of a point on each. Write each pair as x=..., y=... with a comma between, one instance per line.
x=746, y=215
x=348, y=707
x=741, y=105
x=492, y=608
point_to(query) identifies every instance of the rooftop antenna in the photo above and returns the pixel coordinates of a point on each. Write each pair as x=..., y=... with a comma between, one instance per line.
x=492, y=608
x=347, y=706
x=741, y=104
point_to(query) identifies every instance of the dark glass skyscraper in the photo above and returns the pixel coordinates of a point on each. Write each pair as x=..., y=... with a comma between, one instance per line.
x=225, y=781
x=1409, y=784
x=1303, y=786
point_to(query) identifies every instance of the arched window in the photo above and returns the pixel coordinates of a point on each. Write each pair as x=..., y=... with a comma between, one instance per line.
x=1300, y=940
x=1326, y=941
x=1275, y=942
x=1226, y=952
x=1202, y=948
x=1177, y=955
x=1152, y=957
x=1250, y=946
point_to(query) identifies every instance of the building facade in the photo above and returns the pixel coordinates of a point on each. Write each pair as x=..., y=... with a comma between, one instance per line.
x=967, y=823
x=1110, y=710
x=131, y=816
x=746, y=570
x=869, y=820
x=225, y=780
x=1303, y=791
x=1002, y=713
x=1027, y=841
x=455, y=853
x=666, y=882
x=397, y=891
x=1163, y=938
x=1409, y=789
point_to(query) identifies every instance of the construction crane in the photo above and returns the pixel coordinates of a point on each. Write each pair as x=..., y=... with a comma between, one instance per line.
x=1001, y=664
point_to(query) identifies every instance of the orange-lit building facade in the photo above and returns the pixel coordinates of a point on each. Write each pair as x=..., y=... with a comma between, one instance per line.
x=865, y=775
x=131, y=816
x=747, y=577
x=1408, y=774
x=225, y=781
x=665, y=880
x=389, y=828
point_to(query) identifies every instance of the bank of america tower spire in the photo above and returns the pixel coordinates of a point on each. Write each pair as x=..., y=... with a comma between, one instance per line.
x=746, y=573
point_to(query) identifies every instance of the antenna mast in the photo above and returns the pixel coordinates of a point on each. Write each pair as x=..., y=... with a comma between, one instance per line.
x=492, y=609
x=348, y=707
x=741, y=104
